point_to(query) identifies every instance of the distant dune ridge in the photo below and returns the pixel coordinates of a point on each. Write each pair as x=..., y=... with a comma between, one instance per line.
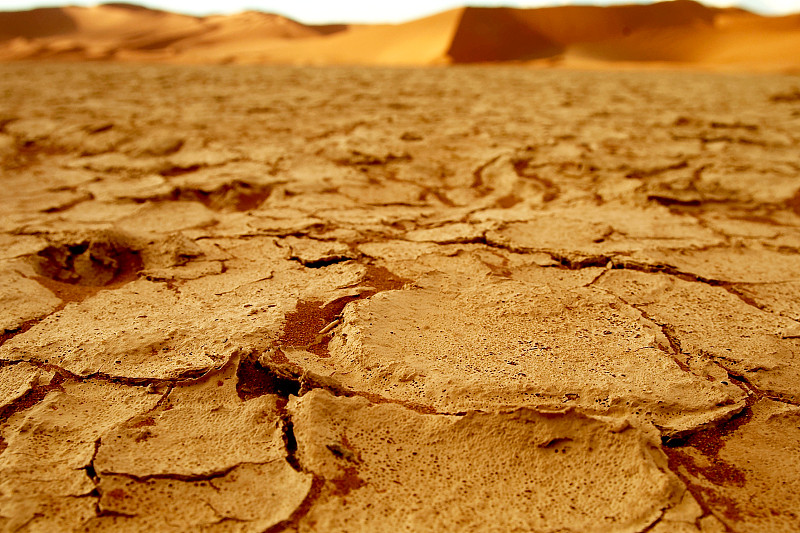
x=678, y=31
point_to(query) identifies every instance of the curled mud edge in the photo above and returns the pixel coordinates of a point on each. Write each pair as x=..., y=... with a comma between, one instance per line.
x=312, y=322
x=708, y=444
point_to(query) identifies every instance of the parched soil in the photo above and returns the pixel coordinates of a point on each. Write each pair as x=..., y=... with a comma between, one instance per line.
x=370, y=299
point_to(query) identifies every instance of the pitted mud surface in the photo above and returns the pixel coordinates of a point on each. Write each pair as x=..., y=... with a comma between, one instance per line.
x=463, y=299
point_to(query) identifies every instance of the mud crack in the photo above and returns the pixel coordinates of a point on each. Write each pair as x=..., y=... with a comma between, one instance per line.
x=290, y=447
x=254, y=380
x=32, y=397
x=234, y=196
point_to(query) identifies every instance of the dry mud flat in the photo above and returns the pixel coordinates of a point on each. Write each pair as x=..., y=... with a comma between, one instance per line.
x=489, y=299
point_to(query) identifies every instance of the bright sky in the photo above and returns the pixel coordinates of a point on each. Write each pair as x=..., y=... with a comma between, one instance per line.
x=322, y=11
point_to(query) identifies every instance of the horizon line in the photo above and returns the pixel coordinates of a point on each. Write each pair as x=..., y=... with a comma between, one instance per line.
x=555, y=4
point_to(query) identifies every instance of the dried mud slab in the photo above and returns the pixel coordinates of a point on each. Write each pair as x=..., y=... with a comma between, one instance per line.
x=189, y=442
x=388, y=468
x=203, y=458
x=167, y=218
x=730, y=265
x=316, y=254
x=19, y=380
x=707, y=321
x=141, y=331
x=591, y=231
x=457, y=344
x=46, y=467
x=23, y=300
x=779, y=298
x=251, y=497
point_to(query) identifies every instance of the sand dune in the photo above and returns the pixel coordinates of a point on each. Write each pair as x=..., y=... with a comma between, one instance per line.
x=677, y=31
x=502, y=34
x=575, y=24
x=116, y=31
x=420, y=42
x=753, y=47
x=36, y=23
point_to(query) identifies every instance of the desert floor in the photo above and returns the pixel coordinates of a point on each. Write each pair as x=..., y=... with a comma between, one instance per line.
x=447, y=299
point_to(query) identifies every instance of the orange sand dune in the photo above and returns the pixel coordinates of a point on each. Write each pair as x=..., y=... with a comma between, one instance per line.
x=110, y=26
x=36, y=23
x=118, y=30
x=680, y=31
x=488, y=34
x=730, y=38
x=228, y=38
x=573, y=24
x=420, y=42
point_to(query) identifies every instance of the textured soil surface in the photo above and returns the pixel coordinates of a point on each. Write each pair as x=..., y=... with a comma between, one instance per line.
x=464, y=299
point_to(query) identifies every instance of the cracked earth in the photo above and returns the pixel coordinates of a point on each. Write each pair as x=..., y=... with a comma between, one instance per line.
x=467, y=299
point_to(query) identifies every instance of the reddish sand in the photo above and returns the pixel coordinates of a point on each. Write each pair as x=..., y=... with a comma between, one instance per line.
x=679, y=31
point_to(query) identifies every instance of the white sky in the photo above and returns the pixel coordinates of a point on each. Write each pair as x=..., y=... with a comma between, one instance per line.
x=322, y=11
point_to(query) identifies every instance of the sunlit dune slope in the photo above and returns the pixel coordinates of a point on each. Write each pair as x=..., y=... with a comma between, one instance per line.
x=498, y=34
x=575, y=24
x=112, y=30
x=731, y=38
x=419, y=42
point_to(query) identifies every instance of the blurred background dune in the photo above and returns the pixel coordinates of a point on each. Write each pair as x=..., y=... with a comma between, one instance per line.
x=679, y=32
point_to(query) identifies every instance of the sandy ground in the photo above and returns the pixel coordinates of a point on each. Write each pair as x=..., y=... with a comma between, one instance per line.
x=461, y=299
